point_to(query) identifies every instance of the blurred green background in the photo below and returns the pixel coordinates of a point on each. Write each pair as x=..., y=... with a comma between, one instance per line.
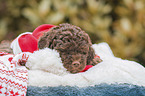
x=120, y=23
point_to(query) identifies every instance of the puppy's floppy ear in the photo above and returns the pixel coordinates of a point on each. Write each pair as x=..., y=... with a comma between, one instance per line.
x=91, y=55
x=42, y=42
x=92, y=58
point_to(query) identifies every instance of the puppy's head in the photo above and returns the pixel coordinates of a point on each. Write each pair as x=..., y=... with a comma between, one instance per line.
x=72, y=44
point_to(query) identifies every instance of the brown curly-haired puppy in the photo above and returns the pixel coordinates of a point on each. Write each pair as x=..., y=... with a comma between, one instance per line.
x=73, y=45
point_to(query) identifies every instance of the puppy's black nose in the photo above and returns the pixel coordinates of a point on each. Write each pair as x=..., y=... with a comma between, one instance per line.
x=76, y=63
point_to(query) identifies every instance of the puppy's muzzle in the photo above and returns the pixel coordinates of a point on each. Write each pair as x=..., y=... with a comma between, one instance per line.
x=76, y=64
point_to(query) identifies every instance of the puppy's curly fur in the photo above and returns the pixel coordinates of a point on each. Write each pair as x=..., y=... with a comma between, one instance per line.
x=73, y=45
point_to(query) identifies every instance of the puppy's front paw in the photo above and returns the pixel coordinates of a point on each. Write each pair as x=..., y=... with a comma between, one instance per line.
x=96, y=60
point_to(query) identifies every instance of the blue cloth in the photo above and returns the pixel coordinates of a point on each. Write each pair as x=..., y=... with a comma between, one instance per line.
x=97, y=90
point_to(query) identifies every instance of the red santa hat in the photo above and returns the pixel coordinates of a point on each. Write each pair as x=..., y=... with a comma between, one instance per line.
x=25, y=42
x=38, y=32
x=28, y=42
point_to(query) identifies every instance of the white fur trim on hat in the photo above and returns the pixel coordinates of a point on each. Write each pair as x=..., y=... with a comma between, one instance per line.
x=15, y=44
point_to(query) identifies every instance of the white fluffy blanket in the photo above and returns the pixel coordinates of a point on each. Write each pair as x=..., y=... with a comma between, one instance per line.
x=46, y=69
